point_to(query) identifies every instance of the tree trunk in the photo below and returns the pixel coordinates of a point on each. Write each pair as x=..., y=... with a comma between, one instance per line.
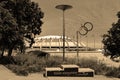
x=10, y=51
x=2, y=52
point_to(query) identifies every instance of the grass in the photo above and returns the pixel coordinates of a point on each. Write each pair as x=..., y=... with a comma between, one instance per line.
x=30, y=63
x=113, y=72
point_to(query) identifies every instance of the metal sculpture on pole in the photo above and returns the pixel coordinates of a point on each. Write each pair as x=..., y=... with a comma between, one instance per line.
x=84, y=29
x=63, y=8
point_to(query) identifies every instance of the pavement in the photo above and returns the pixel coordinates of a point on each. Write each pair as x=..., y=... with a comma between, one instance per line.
x=6, y=74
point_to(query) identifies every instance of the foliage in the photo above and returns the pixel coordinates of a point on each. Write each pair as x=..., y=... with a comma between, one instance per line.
x=111, y=40
x=8, y=27
x=23, y=20
x=54, y=61
x=114, y=72
x=9, y=34
x=27, y=13
x=27, y=63
x=39, y=53
x=100, y=68
x=7, y=60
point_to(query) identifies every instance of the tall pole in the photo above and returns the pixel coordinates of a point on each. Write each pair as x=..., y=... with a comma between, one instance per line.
x=77, y=33
x=87, y=42
x=94, y=41
x=63, y=8
x=63, y=36
x=77, y=42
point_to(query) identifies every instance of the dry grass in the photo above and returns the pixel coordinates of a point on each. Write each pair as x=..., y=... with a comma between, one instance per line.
x=31, y=63
x=26, y=63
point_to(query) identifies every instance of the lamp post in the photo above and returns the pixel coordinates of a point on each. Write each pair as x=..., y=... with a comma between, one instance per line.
x=63, y=8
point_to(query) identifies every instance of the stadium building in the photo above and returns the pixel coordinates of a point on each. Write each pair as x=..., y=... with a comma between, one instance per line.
x=56, y=43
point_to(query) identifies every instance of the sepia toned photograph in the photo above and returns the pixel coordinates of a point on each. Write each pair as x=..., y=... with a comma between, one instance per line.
x=59, y=39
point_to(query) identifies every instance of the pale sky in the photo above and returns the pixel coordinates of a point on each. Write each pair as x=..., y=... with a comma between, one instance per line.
x=102, y=13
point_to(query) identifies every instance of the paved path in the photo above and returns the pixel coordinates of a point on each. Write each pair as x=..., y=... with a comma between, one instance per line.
x=6, y=74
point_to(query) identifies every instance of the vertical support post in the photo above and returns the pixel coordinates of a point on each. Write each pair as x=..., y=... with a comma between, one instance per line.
x=63, y=36
x=78, y=32
x=86, y=42
x=94, y=41
x=63, y=8
x=77, y=45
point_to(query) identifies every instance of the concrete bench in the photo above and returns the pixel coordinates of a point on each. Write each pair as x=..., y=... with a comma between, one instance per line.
x=69, y=70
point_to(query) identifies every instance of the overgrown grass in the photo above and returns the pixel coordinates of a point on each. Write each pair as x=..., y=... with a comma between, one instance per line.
x=27, y=63
x=100, y=68
x=113, y=72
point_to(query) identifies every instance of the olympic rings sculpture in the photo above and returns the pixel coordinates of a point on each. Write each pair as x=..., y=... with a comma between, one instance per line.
x=84, y=29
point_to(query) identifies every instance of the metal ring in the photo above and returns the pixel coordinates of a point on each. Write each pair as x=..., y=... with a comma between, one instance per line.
x=89, y=27
x=83, y=30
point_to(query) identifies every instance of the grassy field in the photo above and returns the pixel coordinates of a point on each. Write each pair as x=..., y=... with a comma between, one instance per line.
x=96, y=55
x=33, y=62
x=88, y=55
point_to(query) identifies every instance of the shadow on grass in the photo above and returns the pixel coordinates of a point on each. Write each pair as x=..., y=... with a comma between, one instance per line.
x=4, y=60
x=39, y=53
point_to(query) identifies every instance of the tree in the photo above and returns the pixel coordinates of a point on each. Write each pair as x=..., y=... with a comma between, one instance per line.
x=111, y=40
x=28, y=16
x=8, y=31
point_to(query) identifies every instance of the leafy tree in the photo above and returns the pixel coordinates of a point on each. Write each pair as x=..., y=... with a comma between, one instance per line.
x=111, y=40
x=9, y=35
x=26, y=18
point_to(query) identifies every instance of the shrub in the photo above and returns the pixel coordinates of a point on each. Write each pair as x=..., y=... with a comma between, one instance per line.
x=113, y=72
x=100, y=68
x=54, y=61
x=25, y=63
x=39, y=53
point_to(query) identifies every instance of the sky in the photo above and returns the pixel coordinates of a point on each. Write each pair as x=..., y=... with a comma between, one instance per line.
x=101, y=13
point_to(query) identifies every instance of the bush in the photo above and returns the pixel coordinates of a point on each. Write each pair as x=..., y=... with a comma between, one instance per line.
x=28, y=63
x=113, y=72
x=39, y=53
x=7, y=60
x=25, y=64
x=54, y=61
x=100, y=68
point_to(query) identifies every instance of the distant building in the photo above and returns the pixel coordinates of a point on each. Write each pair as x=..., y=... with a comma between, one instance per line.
x=56, y=42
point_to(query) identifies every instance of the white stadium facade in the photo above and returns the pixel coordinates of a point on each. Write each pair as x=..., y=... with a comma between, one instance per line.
x=52, y=42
